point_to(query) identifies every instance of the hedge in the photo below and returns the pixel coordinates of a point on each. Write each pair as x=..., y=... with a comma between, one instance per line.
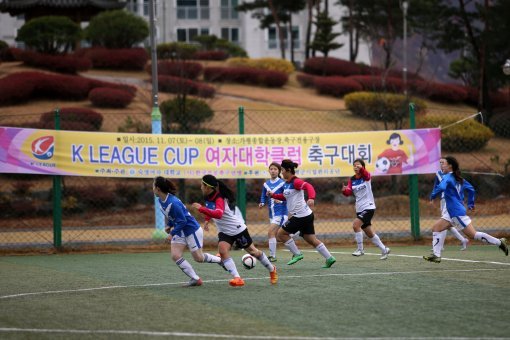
x=210, y=55
x=270, y=64
x=331, y=67
x=378, y=84
x=466, y=136
x=246, y=75
x=58, y=63
x=116, y=59
x=500, y=124
x=109, y=97
x=74, y=115
x=181, y=85
x=183, y=69
x=336, y=86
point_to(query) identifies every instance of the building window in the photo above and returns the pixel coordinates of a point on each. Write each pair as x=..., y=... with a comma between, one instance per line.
x=189, y=34
x=274, y=42
x=193, y=9
x=230, y=34
x=228, y=9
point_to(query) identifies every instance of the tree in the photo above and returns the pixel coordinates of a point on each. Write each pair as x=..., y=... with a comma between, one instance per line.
x=324, y=36
x=116, y=29
x=51, y=34
x=281, y=15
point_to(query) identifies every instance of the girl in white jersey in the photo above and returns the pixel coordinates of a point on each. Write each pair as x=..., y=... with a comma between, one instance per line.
x=219, y=207
x=301, y=216
x=360, y=185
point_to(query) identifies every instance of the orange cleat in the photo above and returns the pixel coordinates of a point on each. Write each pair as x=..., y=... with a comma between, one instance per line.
x=236, y=282
x=273, y=276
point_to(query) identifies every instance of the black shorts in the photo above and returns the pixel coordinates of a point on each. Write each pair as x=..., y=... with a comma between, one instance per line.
x=243, y=239
x=366, y=217
x=302, y=224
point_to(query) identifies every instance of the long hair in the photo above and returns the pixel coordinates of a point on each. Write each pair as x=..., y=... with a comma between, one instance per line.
x=455, y=168
x=218, y=185
x=289, y=165
x=165, y=185
x=360, y=161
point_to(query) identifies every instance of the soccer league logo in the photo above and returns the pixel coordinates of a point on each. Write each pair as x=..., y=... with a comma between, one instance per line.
x=43, y=147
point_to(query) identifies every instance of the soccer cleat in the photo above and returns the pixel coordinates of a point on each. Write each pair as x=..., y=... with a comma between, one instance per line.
x=329, y=262
x=503, y=246
x=273, y=276
x=385, y=254
x=432, y=258
x=295, y=258
x=236, y=282
x=464, y=244
x=271, y=258
x=358, y=253
x=193, y=283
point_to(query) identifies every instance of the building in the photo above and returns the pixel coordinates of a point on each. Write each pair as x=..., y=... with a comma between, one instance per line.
x=181, y=20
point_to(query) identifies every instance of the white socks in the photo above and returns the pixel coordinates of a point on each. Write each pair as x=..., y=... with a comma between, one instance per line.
x=456, y=233
x=187, y=268
x=377, y=241
x=359, y=239
x=291, y=245
x=321, y=248
x=265, y=262
x=208, y=258
x=231, y=267
x=438, y=242
x=486, y=238
x=272, y=246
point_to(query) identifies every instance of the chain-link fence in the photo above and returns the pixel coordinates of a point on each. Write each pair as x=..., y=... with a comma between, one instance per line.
x=111, y=212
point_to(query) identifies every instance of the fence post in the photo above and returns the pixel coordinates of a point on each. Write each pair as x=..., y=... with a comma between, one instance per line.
x=57, y=196
x=241, y=182
x=413, y=187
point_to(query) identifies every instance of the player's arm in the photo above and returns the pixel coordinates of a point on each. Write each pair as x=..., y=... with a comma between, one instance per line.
x=347, y=189
x=179, y=219
x=217, y=212
x=263, y=196
x=365, y=174
x=436, y=183
x=471, y=194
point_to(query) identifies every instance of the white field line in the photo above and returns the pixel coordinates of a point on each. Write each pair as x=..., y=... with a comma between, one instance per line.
x=202, y=335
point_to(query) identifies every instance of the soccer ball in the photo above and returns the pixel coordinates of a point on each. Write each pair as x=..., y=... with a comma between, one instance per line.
x=248, y=261
x=382, y=164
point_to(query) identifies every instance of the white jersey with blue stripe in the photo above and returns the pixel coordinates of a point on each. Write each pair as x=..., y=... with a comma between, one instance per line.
x=454, y=194
x=178, y=217
x=275, y=208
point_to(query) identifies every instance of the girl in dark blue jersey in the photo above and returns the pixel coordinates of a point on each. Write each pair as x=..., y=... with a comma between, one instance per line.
x=183, y=230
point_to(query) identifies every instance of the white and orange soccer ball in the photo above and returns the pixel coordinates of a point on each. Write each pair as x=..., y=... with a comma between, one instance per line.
x=248, y=261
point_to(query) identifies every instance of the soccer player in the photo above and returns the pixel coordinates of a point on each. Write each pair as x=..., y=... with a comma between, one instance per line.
x=301, y=216
x=395, y=155
x=453, y=187
x=183, y=230
x=445, y=221
x=219, y=207
x=360, y=185
x=277, y=209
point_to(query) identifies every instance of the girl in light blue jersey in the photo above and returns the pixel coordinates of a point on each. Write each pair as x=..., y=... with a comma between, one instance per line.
x=277, y=209
x=183, y=230
x=445, y=221
x=453, y=187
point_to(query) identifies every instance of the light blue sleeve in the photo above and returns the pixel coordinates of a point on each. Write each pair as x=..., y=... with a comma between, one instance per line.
x=263, y=196
x=179, y=217
x=471, y=194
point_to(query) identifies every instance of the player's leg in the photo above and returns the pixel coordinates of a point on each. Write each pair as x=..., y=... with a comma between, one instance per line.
x=459, y=237
x=470, y=231
x=271, y=236
x=321, y=248
x=377, y=241
x=178, y=244
x=195, y=242
x=358, y=236
x=283, y=235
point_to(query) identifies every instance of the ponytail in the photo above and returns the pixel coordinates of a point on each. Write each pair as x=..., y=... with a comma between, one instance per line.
x=289, y=165
x=165, y=185
x=455, y=168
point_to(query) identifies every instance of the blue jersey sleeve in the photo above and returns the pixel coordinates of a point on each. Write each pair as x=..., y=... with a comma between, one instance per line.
x=436, y=183
x=179, y=218
x=263, y=196
x=471, y=194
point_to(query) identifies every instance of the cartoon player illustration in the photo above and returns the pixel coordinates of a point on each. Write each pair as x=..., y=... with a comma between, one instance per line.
x=390, y=161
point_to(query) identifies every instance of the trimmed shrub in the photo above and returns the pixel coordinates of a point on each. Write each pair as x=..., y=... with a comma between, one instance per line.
x=306, y=80
x=176, y=50
x=183, y=69
x=68, y=125
x=336, y=86
x=62, y=86
x=75, y=115
x=185, y=86
x=108, y=97
x=378, y=84
x=15, y=89
x=50, y=34
x=57, y=63
x=116, y=59
x=7, y=54
x=210, y=55
x=246, y=75
x=447, y=93
x=331, y=67
x=382, y=106
x=270, y=64
x=500, y=124
x=177, y=119
x=466, y=136
x=118, y=29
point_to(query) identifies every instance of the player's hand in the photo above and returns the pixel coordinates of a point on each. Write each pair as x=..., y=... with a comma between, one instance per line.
x=206, y=226
x=168, y=239
x=261, y=205
x=167, y=230
x=472, y=208
x=269, y=193
x=278, y=201
x=311, y=203
x=344, y=187
x=196, y=205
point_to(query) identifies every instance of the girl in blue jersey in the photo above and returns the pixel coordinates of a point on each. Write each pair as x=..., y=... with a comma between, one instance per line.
x=219, y=207
x=301, y=215
x=360, y=186
x=183, y=230
x=445, y=221
x=277, y=209
x=453, y=187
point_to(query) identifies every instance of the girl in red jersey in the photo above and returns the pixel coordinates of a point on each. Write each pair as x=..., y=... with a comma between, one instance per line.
x=300, y=215
x=219, y=207
x=360, y=185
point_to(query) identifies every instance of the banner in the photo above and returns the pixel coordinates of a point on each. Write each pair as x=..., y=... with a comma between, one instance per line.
x=70, y=153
